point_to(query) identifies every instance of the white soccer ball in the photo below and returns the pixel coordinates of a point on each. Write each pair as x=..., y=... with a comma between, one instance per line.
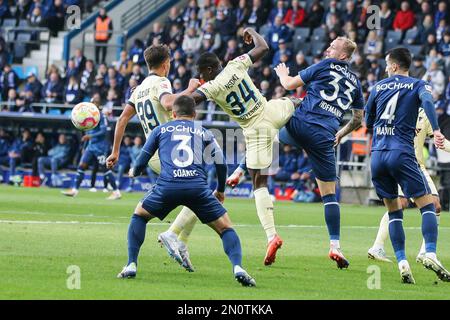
x=85, y=116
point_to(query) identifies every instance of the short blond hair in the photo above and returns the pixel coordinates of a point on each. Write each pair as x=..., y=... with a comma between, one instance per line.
x=349, y=46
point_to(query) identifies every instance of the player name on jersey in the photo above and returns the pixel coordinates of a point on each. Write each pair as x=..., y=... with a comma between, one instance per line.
x=327, y=107
x=385, y=131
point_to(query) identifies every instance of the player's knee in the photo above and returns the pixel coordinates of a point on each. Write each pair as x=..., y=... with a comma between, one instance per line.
x=437, y=205
x=404, y=203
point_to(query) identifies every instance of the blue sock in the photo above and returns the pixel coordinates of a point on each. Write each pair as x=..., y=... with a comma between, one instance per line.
x=397, y=234
x=332, y=215
x=110, y=178
x=429, y=227
x=136, y=236
x=79, y=178
x=232, y=246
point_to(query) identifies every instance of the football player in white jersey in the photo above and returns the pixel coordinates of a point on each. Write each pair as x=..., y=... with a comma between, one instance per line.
x=152, y=101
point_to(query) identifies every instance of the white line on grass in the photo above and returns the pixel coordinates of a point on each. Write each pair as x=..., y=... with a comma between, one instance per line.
x=165, y=224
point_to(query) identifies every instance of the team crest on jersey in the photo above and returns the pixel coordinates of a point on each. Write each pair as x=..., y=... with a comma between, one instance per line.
x=242, y=57
x=164, y=85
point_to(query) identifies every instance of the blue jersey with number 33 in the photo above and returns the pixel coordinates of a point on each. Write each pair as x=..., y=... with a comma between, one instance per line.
x=332, y=89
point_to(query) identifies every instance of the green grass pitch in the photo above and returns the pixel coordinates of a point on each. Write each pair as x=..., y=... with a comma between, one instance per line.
x=42, y=233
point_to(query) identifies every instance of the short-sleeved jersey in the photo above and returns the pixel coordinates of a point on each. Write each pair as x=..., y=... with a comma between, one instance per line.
x=234, y=91
x=332, y=89
x=185, y=148
x=392, y=111
x=146, y=101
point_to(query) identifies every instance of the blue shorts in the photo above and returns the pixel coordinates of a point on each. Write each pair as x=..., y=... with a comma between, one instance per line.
x=391, y=168
x=160, y=201
x=318, y=144
x=90, y=155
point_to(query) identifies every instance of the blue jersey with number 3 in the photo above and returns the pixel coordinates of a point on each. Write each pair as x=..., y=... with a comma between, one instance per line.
x=332, y=89
x=392, y=110
x=185, y=147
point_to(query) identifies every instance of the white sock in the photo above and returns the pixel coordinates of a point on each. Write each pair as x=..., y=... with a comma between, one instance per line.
x=171, y=234
x=238, y=269
x=181, y=220
x=334, y=244
x=264, y=208
x=383, y=232
x=431, y=255
x=403, y=264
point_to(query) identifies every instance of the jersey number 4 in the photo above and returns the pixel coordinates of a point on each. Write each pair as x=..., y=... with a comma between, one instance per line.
x=335, y=84
x=237, y=107
x=146, y=114
x=389, y=111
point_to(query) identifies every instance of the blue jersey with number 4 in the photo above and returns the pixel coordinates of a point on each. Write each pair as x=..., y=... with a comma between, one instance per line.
x=392, y=110
x=332, y=89
x=184, y=147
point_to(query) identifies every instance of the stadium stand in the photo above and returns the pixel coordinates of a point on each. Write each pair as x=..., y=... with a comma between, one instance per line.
x=191, y=28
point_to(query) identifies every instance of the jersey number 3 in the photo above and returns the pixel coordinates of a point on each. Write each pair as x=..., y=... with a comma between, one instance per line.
x=147, y=116
x=335, y=84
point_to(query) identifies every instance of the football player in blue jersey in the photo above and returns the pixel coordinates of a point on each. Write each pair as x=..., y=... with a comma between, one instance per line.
x=332, y=89
x=97, y=150
x=183, y=146
x=391, y=111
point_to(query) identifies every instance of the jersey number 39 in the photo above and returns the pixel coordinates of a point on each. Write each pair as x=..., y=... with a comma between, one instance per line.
x=146, y=114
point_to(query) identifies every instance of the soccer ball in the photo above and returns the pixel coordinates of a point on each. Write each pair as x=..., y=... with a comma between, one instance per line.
x=85, y=116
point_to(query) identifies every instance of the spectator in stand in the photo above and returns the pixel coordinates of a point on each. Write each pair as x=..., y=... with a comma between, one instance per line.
x=206, y=7
x=295, y=16
x=265, y=89
x=282, y=49
x=103, y=33
x=303, y=179
x=279, y=92
x=232, y=51
x=80, y=60
x=71, y=71
x=174, y=18
x=447, y=91
x=8, y=80
x=124, y=162
x=136, y=52
x=279, y=11
x=53, y=90
x=433, y=56
x=441, y=30
x=11, y=101
x=359, y=67
x=35, y=18
x=376, y=69
x=132, y=84
x=315, y=16
x=177, y=60
x=429, y=45
x=176, y=35
x=277, y=32
x=351, y=12
x=425, y=28
x=193, y=22
x=22, y=9
x=134, y=153
x=137, y=74
x=386, y=17
x=333, y=24
x=112, y=100
x=209, y=17
x=177, y=86
x=55, y=17
x=72, y=92
x=371, y=81
x=4, y=10
x=425, y=10
x=444, y=45
x=113, y=74
x=118, y=89
x=56, y=158
x=225, y=25
x=102, y=70
x=192, y=6
x=87, y=78
x=441, y=13
x=300, y=63
x=124, y=65
x=404, y=19
x=184, y=75
x=38, y=150
x=242, y=13
x=417, y=69
x=192, y=41
x=210, y=34
x=287, y=167
x=436, y=77
x=100, y=87
x=157, y=32
x=257, y=15
x=19, y=152
x=373, y=48
x=4, y=55
x=362, y=18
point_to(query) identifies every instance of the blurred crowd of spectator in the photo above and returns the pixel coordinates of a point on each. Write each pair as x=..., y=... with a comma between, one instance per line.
x=297, y=32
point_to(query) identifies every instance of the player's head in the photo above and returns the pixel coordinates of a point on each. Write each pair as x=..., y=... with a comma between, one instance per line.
x=341, y=48
x=208, y=66
x=183, y=106
x=97, y=100
x=158, y=59
x=398, y=61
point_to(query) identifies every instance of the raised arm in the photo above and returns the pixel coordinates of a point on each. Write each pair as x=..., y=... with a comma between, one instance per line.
x=261, y=48
x=121, y=124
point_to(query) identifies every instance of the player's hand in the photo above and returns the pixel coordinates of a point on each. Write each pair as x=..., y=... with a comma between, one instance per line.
x=439, y=139
x=112, y=160
x=194, y=84
x=338, y=138
x=248, y=38
x=282, y=70
x=86, y=138
x=220, y=196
